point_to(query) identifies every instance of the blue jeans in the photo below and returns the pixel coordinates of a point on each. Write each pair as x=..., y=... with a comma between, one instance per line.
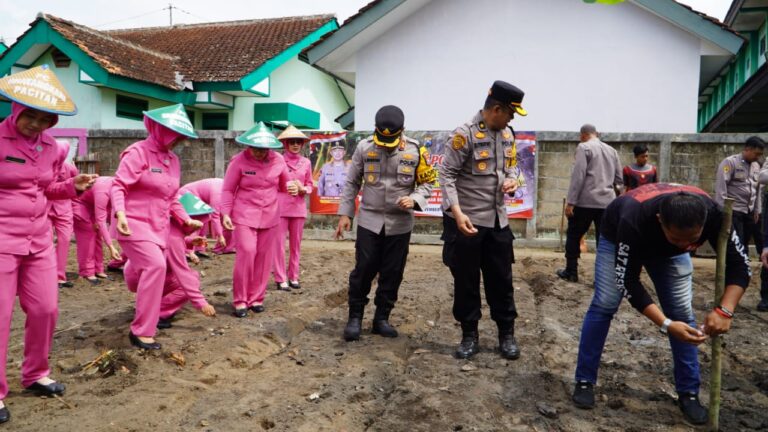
x=672, y=278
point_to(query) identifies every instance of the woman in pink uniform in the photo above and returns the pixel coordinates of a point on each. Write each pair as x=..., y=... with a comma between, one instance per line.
x=182, y=285
x=249, y=207
x=92, y=209
x=209, y=191
x=60, y=214
x=144, y=190
x=29, y=164
x=293, y=208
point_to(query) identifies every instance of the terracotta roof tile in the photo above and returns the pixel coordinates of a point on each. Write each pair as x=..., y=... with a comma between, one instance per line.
x=209, y=52
x=225, y=51
x=118, y=56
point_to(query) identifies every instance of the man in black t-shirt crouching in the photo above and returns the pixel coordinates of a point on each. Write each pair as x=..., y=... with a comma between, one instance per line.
x=656, y=226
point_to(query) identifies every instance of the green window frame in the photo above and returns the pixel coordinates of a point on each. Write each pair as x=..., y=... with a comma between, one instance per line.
x=215, y=121
x=130, y=108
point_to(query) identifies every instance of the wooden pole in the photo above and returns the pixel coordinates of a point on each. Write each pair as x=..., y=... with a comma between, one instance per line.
x=717, y=342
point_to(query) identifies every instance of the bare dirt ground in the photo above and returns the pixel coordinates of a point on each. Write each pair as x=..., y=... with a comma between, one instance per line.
x=289, y=370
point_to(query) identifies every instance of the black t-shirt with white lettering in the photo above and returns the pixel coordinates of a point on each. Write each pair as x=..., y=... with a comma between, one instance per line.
x=630, y=222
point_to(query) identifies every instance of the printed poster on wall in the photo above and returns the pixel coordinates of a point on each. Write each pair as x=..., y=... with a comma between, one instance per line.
x=331, y=154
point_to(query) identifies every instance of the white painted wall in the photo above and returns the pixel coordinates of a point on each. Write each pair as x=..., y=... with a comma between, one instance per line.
x=619, y=67
x=298, y=83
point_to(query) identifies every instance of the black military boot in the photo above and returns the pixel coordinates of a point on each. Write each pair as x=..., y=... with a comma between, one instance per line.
x=381, y=325
x=507, y=343
x=470, y=340
x=571, y=270
x=354, y=325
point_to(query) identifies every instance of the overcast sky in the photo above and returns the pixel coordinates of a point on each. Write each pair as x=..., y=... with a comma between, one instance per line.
x=15, y=15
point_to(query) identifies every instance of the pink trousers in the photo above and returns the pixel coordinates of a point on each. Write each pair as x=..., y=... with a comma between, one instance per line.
x=182, y=284
x=291, y=227
x=253, y=262
x=90, y=255
x=33, y=278
x=62, y=226
x=145, y=275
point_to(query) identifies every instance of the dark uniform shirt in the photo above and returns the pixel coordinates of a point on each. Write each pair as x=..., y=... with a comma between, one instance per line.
x=631, y=223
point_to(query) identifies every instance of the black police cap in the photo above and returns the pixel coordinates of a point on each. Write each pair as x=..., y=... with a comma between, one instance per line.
x=508, y=95
x=389, y=126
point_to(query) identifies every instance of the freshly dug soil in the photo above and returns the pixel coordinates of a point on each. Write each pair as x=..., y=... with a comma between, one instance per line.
x=288, y=369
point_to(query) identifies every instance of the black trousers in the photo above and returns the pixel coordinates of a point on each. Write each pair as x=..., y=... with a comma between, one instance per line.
x=489, y=252
x=746, y=228
x=382, y=255
x=578, y=225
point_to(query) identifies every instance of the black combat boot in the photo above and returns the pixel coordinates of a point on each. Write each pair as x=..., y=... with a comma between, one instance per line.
x=354, y=324
x=381, y=325
x=571, y=270
x=507, y=343
x=470, y=340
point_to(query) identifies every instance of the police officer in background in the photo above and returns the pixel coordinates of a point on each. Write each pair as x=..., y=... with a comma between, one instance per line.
x=396, y=179
x=479, y=169
x=737, y=178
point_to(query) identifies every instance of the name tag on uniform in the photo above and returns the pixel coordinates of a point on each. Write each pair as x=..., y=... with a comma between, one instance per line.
x=156, y=170
x=249, y=172
x=15, y=160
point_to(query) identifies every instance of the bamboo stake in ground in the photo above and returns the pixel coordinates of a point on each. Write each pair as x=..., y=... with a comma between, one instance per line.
x=717, y=343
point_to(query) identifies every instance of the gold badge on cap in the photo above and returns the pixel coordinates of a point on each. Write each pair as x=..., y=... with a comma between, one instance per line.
x=459, y=141
x=38, y=88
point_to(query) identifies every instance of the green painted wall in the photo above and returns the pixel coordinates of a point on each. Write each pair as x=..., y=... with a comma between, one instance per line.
x=750, y=58
x=298, y=83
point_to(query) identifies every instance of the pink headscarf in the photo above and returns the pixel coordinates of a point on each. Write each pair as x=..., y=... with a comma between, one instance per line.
x=16, y=110
x=160, y=135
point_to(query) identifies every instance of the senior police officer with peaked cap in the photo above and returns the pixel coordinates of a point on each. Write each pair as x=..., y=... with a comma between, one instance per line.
x=396, y=178
x=479, y=169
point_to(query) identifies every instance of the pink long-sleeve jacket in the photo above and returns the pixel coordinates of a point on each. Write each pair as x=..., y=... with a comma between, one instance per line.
x=146, y=184
x=299, y=168
x=28, y=169
x=249, y=193
x=63, y=208
x=93, y=206
x=208, y=190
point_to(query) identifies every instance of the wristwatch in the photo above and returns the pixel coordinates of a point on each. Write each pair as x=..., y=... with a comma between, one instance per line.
x=665, y=326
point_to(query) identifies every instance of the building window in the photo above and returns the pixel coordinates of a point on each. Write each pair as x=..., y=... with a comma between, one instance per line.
x=191, y=115
x=131, y=108
x=215, y=121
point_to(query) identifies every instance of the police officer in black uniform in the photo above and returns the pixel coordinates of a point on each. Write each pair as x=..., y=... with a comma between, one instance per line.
x=479, y=169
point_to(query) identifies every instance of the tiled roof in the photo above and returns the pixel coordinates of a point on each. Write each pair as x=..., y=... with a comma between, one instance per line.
x=711, y=19
x=225, y=51
x=210, y=52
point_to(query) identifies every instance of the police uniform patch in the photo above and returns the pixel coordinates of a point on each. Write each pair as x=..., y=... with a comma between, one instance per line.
x=508, y=152
x=484, y=154
x=482, y=166
x=408, y=156
x=371, y=178
x=507, y=135
x=371, y=167
x=372, y=154
x=479, y=135
x=459, y=141
x=482, y=125
x=407, y=170
x=726, y=168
